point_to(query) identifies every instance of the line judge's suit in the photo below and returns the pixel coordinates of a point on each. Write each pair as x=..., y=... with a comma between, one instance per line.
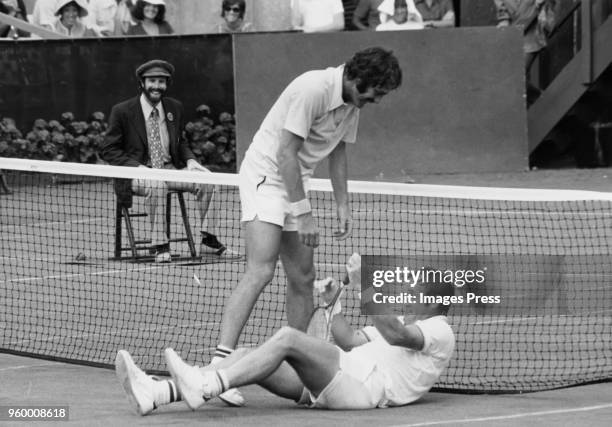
x=126, y=144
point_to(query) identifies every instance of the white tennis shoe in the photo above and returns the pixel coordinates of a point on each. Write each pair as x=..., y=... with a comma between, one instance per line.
x=232, y=397
x=188, y=379
x=138, y=386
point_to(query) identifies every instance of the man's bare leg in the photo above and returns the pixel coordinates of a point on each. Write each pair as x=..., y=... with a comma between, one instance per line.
x=314, y=361
x=283, y=382
x=262, y=248
x=297, y=260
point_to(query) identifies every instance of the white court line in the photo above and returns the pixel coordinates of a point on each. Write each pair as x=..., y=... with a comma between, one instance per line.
x=467, y=212
x=509, y=417
x=133, y=330
x=524, y=319
x=15, y=368
x=83, y=275
x=50, y=224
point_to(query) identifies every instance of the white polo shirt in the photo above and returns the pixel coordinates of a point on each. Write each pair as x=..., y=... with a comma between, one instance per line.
x=311, y=107
x=409, y=373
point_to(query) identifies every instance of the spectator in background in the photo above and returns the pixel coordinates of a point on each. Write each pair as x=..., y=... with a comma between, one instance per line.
x=151, y=17
x=44, y=14
x=232, y=12
x=160, y=119
x=69, y=22
x=433, y=13
x=16, y=9
x=101, y=17
x=366, y=15
x=317, y=15
x=123, y=17
x=537, y=17
x=402, y=19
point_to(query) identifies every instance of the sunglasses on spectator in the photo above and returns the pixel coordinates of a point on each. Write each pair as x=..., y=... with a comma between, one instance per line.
x=233, y=9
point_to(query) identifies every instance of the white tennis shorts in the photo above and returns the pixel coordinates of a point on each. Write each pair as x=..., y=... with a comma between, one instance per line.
x=264, y=197
x=355, y=386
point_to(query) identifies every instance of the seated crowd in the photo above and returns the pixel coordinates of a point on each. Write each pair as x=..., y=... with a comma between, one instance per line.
x=104, y=18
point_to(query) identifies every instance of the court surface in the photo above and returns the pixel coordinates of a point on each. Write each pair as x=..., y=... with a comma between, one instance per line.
x=95, y=397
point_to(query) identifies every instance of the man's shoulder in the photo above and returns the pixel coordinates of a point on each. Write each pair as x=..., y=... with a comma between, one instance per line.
x=125, y=105
x=436, y=323
x=175, y=103
x=319, y=81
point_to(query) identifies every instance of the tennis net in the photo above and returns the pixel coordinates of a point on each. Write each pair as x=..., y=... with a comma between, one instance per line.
x=69, y=292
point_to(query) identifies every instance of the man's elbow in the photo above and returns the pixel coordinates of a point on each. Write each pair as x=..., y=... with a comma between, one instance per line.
x=345, y=345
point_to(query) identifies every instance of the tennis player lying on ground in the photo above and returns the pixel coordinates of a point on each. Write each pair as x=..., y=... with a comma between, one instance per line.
x=390, y=364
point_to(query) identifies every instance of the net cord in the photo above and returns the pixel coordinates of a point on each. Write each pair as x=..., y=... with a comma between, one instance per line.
x=315, y=184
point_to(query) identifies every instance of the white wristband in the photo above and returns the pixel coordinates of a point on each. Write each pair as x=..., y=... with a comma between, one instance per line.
x=301, y=207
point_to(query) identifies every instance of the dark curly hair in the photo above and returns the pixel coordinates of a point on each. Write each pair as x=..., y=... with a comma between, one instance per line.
x=138, y=12
x=374, y=67
x=228, y=3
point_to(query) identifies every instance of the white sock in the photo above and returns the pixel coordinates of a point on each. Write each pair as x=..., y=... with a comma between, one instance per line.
x=213, y=384
x=221, y=352
x=165, y=392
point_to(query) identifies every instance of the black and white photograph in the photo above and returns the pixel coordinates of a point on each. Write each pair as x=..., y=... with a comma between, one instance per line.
x=306, y=212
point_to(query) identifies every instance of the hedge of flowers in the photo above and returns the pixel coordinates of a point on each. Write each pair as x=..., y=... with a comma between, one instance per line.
x=71, y=140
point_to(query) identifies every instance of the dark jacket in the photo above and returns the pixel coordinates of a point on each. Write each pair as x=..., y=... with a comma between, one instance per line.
x=126, y=144
x=138, y=30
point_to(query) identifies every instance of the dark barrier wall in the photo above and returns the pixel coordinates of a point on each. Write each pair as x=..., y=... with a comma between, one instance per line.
x=460, y=109
x=42, y=79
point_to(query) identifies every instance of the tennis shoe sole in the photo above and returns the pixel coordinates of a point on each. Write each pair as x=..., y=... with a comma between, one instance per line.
x=135, y=383
x=188, y=379
x=233, y=397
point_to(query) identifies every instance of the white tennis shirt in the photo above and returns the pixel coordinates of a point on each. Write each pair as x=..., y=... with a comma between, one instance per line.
x=310, y=107
x=409, y=373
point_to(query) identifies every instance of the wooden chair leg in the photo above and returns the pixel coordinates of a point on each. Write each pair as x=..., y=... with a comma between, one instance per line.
x=118, y=215
x=4, y=185
x=188, y=234
x=168, y=213
x=130, y=232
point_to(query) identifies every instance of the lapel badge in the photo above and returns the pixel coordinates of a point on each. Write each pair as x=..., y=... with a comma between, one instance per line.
x=170, y=117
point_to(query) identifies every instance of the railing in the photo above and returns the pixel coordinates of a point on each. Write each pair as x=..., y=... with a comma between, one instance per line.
x=575, y=26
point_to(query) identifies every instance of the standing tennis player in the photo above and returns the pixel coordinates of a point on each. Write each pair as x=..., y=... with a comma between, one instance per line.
x=389, y=364
x=313, y=119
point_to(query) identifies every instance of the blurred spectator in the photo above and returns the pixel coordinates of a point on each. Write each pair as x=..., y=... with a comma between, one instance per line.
x=537, y=17
x=101, y=16
x=317, y=15
x=433, y=13
x=16, y=9
x=401, y=19
x=69, y=23
x=151, y=18
x=232, y=12
x=44, y=13
x=123, y=18
x=366, y=15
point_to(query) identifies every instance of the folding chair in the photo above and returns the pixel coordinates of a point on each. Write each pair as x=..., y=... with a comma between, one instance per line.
x=122, y=213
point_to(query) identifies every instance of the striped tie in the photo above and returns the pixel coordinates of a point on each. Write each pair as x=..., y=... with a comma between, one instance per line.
x=155, y=143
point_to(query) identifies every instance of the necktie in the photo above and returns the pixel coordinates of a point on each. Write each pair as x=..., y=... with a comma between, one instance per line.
x=155, y=144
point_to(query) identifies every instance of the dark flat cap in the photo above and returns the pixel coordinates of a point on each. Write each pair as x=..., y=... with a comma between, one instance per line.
x=155, y=68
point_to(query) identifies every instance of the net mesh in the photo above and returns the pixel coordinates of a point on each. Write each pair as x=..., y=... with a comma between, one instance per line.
x=67, y=295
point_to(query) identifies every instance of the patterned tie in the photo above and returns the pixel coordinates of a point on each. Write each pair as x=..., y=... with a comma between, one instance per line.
x=155, y=143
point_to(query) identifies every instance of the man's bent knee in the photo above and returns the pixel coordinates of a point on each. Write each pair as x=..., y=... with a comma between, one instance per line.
x=261, y=274
x=286, y=335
